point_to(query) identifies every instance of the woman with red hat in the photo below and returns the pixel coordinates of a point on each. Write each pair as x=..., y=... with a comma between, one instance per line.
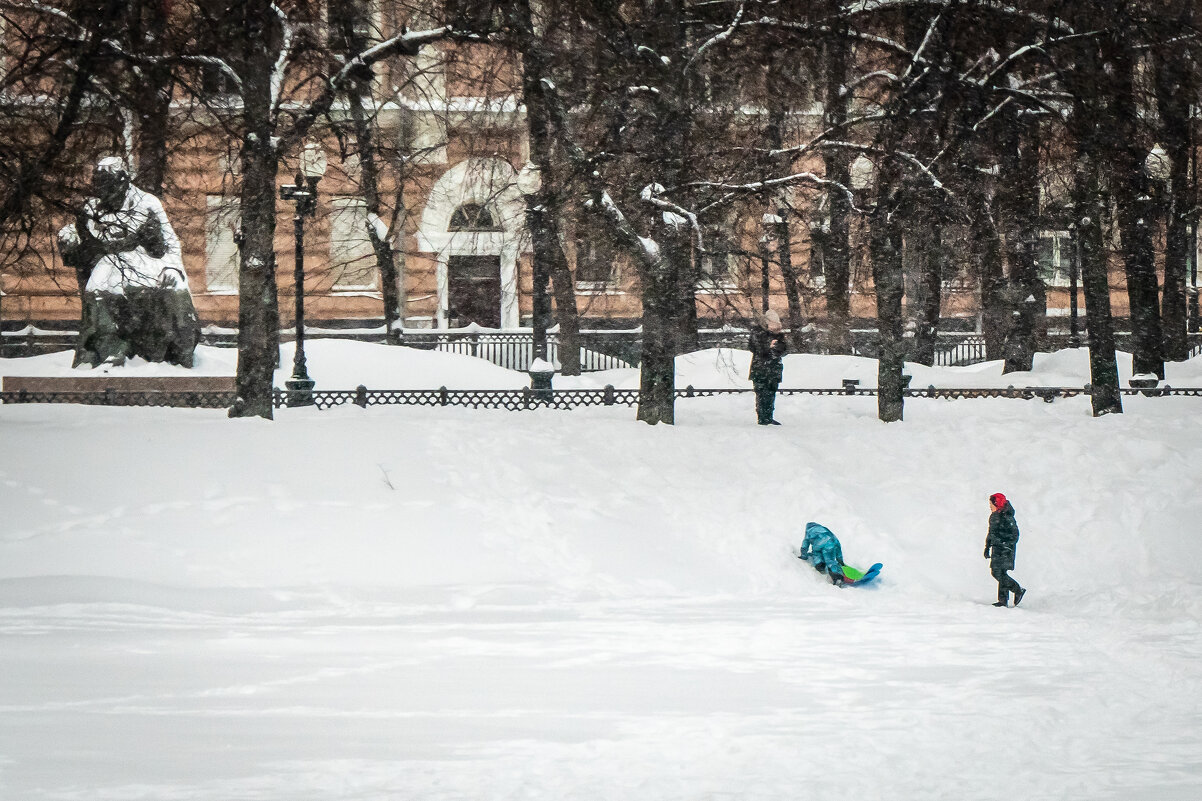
x=999, y=548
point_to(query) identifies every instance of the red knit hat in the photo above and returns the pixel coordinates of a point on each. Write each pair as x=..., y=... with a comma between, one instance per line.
x=998, y=499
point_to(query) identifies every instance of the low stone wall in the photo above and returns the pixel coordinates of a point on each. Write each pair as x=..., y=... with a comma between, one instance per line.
x=184, y=391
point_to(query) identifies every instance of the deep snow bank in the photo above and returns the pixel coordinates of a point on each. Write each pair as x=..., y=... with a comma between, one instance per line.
x=455, y=505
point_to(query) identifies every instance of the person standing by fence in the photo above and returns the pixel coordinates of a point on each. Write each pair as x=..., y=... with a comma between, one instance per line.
x=767, y=348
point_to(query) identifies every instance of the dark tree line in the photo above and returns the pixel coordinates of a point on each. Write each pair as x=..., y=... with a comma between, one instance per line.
x=923, y=133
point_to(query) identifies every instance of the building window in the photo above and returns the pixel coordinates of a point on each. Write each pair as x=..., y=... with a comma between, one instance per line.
x=473, y=217
x=1056, y=257
x=716, y=261
x=959, y=272
x=596, y=265
x=350, y=26
x=352, y=258
x=222, y=219
x=216, y=84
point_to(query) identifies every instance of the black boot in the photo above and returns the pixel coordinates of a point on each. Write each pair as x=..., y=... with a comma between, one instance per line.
x=1018, y=595
x=1003, y=597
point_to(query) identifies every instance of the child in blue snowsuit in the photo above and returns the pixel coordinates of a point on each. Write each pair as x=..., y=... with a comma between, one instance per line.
x=821, y=548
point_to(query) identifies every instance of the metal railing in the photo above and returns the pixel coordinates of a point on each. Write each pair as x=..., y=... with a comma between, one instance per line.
x=525, y=399
x=599, y=349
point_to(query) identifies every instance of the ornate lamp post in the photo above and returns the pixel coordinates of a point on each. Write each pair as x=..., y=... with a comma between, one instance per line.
x=862, y=177
x=304, y=194
x=1192, y=289
x=1159, y=169
x=765, y=266
x=1074, y=267
x=530, y=184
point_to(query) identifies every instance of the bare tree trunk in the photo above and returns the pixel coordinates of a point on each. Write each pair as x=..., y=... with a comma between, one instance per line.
x=545, y=234
x=1018, y=199
x=1173, y=90
x=926, y=307
x=657, y=371
x=369, y=188
x=258, y=317
x=924, y=295
x=836, y=247
x=1131, y=192
x=784, y=245
x=885, y=240
x=1090, y=210
x=669, y=303
x=30, y=176
x=152, y=95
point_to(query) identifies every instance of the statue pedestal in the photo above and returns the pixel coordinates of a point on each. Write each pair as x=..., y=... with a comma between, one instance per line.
x=120, y=390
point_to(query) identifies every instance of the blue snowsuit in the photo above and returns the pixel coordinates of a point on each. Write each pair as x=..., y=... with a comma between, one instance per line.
x=821, y=547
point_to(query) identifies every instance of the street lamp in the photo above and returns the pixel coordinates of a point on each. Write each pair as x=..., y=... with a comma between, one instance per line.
x=304, y=194
x=1192, y=289
x=765, y=264
x=1160, y=169
x=772, y=223
x=1074, y=267
x=530, y=184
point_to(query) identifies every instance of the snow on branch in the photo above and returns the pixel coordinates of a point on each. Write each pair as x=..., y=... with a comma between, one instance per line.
x=406, y=43
x=884, y=75
x=855, y=7
x=182, y=58
x=1040, y=48
x=41, y=8
x=674, y=215
x=646, y=250
x=114, y=47
x=883, y=42
x=734, y=191
x=281, y=62
x=926, y=40
x=718, y=38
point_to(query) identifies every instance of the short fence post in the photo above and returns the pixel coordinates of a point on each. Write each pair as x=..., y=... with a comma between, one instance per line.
x=361, y=396
x=688, y=391
x=849, y=385
x=608, y=397
x=443, y=396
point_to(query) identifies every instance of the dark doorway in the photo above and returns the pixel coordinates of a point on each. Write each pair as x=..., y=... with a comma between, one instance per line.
x=474, y=291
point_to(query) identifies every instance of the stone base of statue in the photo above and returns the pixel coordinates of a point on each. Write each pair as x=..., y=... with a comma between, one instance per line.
x=158, y=324
x=209, y=391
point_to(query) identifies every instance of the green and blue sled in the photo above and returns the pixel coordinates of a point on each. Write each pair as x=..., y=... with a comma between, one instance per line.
x=855, y=576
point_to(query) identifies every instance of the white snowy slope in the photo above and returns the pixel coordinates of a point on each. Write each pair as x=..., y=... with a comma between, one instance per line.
x=440, y=603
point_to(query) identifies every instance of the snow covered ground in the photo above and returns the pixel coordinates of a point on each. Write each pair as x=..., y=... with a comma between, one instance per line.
x=440, y=603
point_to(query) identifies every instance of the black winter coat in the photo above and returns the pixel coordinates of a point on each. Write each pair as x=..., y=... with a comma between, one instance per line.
x=1002, y=539
x=767, y=349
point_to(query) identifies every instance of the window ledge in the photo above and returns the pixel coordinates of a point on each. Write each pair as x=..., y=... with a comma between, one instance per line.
x=597, y=288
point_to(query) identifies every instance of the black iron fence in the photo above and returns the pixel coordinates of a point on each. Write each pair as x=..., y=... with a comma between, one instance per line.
x=599, y=349
x=523, y=399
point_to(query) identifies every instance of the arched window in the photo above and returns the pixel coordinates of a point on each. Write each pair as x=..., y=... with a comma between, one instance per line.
x=473, y=217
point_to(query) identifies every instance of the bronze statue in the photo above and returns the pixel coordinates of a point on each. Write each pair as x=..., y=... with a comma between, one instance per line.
x=126, y=255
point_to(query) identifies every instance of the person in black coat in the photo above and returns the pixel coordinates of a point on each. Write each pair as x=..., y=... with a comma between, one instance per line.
x=767, y=348
x=1000, y=545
